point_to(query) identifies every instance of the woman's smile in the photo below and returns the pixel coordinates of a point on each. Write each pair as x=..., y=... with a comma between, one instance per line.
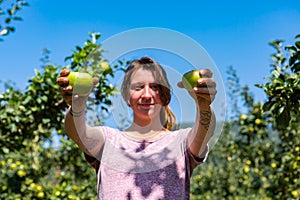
x=146, y=105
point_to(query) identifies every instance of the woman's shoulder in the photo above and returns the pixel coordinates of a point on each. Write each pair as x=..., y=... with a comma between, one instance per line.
x=181, y=130
x=108, y=131
x=108, y=128
x=177, y=134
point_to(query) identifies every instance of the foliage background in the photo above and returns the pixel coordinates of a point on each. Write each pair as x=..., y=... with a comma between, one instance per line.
x=257, y=157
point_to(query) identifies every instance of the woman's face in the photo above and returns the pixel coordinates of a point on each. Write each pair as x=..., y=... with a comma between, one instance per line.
x=144, y=95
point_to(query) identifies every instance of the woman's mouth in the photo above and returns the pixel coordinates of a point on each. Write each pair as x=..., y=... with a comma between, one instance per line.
x=146, y=105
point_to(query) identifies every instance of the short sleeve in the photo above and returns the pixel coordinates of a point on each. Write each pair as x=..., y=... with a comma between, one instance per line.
x=197, y=160
x=94, y=162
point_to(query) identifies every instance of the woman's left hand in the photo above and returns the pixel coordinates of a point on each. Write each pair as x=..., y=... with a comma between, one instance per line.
x=205, y=91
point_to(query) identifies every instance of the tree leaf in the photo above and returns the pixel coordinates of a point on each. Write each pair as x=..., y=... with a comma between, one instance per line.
x=297, y=44
x=291, y=48
x=17, y=18
x=7, y=20
x=268, y=106
x=283, y=119
x=5, y=150
x=296, y=67
x=258, y=85
x=276, y=73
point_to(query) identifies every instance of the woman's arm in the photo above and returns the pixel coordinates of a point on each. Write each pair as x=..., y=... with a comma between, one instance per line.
x=205, y=122
x=89, y=139
x=202, y=131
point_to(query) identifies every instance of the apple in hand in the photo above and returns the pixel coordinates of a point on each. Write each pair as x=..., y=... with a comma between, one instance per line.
x=82, y=83
x=190, y=79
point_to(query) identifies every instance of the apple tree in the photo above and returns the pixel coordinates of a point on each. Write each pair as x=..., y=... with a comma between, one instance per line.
x=37, y=159
x=235, y=167
x=283, y=104
x=258, y=155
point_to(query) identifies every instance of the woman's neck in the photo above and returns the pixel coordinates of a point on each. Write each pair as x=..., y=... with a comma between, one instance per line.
x=145, y=132
x=145, y=128
x=145, y=125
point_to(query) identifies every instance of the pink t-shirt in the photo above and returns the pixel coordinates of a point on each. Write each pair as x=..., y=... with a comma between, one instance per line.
x=145, y=169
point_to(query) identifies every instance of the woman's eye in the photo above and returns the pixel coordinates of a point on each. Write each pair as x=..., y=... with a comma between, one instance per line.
x=137, y=87
x=155, y=87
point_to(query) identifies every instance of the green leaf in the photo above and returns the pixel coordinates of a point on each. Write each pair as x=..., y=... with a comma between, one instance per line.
x=296, y=67
x=283, y=119
x=24, y=3
x=275, y=73
x=37, y=72
x=7, y=20
x=45, y=121
x=293, y=59
x=268, y=106
x=258, y=85
x=44, y=98
x=11, y=29
x=17, y=18
x=27, y=100
x=278, y=81
x=78, y=48
x=280, y=110
x=10, y=12
x=297, y=44
x=279, y=88
x=276, y=43
x=291, y=48
x=5, y=150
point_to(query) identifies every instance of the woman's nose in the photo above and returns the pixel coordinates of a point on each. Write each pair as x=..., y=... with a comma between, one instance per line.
x=146, y=92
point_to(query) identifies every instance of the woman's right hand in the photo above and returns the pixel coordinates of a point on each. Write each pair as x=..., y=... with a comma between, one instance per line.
x=65, y=88
x=77, y=102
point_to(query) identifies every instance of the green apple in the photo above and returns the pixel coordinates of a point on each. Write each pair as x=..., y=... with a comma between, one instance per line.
x=190, y=79
x=82, y=83
x=104, y=66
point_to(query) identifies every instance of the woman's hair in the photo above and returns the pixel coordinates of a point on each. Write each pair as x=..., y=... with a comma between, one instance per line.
x=167, y=117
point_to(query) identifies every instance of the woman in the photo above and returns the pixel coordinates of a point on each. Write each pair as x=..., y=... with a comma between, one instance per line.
x=148, y=160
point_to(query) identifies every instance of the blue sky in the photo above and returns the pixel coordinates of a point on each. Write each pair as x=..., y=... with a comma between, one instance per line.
x=232, y=32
